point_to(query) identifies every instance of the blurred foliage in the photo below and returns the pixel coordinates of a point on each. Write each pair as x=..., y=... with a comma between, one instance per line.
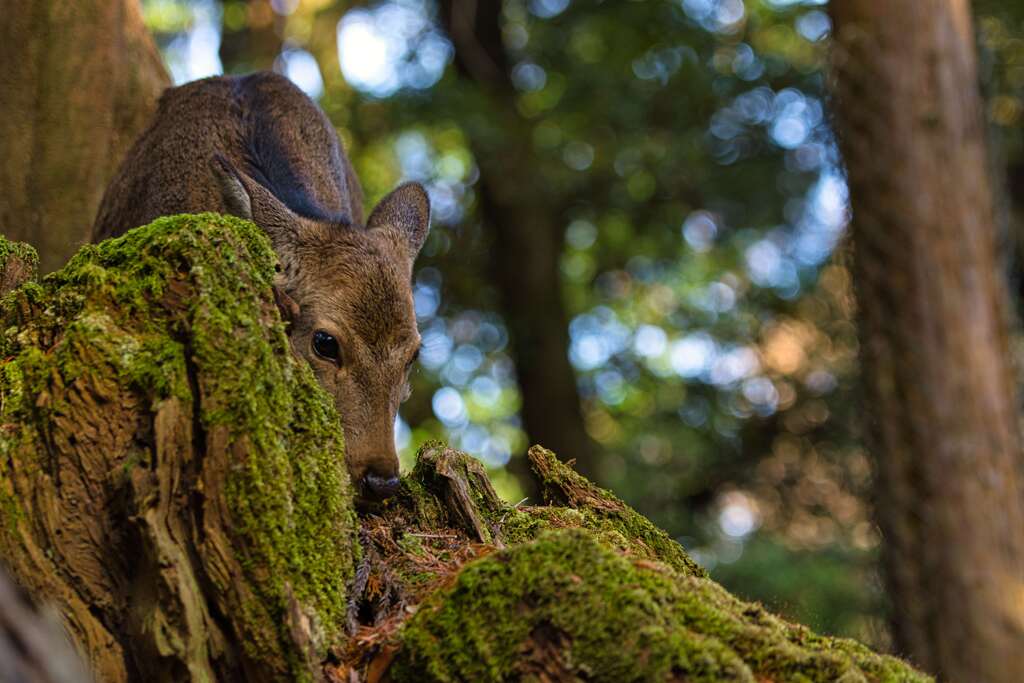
x=711, y=305
x=1001, y=42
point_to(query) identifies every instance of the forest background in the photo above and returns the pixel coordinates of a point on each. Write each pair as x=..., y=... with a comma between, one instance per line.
x=638, y=253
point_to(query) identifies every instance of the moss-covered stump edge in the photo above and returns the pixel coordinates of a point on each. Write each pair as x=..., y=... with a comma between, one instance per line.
x=171, y=478
x=458, y=585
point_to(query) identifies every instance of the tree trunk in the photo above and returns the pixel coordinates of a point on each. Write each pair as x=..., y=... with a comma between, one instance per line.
x=527, y=224
x=172, y=480
x=933, y=322
x=79, y=83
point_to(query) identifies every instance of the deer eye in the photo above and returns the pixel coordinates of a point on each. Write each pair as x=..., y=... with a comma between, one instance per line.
x=326, y=346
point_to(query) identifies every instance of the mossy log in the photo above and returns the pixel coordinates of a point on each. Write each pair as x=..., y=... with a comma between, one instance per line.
x=170, y=477
x=172, y=480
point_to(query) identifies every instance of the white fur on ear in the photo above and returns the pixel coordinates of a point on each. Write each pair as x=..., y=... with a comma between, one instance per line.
x=407, y=208
x=236, y=198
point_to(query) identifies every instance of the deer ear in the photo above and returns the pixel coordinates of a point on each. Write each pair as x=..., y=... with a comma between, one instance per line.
x=286, y=306
x=246, y=198
x=236, y=197
x=408, y=209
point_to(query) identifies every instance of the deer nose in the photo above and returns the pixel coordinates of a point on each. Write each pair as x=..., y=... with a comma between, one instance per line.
x=380, y=487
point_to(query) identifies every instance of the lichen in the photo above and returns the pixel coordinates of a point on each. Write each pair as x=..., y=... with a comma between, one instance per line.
x=178, y=309
x=567, y=604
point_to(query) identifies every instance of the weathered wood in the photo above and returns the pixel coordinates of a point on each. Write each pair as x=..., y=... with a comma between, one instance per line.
x=171, y=478
x=465, y=489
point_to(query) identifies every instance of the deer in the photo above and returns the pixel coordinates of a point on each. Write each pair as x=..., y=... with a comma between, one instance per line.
x=258, y=148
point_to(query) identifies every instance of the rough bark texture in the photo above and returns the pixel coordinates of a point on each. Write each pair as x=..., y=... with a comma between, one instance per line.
x=528, y=232
x=941, y=392
x=80, y=81
x=170, y=477
x=173, y=481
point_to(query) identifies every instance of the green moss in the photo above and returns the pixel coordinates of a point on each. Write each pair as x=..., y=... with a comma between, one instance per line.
x=410, y=545
x=10, y=508
x=19, y=250
x=568, y=602
x=627, y=529
x=576, y=502
x=177, y=309
x=583, y=589
x=525, y=524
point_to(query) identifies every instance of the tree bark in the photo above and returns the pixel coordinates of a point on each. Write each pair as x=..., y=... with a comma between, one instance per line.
x=170, y=477
x=172, y=481
x=79, y=82
x=527, y=223
x=933, y=321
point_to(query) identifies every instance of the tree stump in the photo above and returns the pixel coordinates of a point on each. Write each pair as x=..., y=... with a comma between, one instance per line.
x=172, y=480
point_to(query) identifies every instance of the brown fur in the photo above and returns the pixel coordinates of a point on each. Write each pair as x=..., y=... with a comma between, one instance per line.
x=257, y=147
